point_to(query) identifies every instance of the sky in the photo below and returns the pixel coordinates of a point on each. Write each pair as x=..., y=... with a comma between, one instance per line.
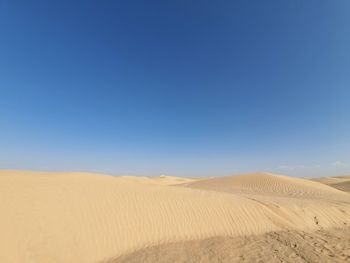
x=183, y=88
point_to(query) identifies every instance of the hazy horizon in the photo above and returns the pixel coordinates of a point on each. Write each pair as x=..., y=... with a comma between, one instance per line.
x=184, y=88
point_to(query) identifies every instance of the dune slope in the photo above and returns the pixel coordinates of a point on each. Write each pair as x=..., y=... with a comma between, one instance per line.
x=81, y=217
x=268, y=184
x=331, y=245
x=339, y=182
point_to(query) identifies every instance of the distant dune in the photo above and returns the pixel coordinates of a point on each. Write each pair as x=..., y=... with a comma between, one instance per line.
x=268, y=184
x=82, y=217
x=339, y=182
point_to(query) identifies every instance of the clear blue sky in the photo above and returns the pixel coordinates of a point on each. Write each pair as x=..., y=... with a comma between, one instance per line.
x=183, y=88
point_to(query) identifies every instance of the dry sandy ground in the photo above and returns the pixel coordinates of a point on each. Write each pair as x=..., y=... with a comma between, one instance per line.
x=340, y=182
x=331, y=245
x=81, y=217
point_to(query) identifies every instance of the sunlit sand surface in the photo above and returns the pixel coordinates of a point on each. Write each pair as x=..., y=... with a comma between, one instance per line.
x=82, y=217
x=339, y=182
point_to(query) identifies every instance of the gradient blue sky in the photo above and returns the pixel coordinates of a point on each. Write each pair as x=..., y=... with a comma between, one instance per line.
x=183, y=88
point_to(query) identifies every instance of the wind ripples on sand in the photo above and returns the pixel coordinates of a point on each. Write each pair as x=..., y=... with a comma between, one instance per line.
x=81, y=217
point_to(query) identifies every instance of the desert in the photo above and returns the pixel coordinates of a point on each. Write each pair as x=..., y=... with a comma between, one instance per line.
x=85, y=217
x=174, y=131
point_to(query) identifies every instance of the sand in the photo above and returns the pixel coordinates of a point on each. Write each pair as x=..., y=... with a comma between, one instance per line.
x=339, y=182
x=324, y=245
x=82, y=217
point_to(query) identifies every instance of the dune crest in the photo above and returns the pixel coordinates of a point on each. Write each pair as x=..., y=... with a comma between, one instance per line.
x=267, y=184
x=82, y=217
x=339, y=182
x=159, y=180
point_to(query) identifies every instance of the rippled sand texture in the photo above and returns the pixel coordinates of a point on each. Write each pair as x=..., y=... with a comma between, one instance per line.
x=324, y=245
x=81, y=217
x=339, y=182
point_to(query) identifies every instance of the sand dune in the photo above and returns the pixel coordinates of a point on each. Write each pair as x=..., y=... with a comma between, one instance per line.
x=339, y=182
x=159, y=180
x=82, y=217
x=267, y=184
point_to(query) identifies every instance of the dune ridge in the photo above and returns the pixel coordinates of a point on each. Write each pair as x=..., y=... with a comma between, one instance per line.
x=267, y=184
x=339, y=182
x=82, y=217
